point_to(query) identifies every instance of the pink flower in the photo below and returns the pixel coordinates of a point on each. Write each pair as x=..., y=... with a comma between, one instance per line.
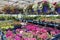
x=42, y=30
x=57, y=31
x=51, y=29
x=48, y=28
x=17, y=38
x=17, y=30
x=31, y=27
x=30, y=39
x=9, y=33
x=44, y=36
x=53, y=32
x=33, y=33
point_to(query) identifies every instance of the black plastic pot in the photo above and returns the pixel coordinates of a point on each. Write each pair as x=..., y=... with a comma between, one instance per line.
x=30, y=21
x=35, y=22
x=17, y=26
x=56, y=37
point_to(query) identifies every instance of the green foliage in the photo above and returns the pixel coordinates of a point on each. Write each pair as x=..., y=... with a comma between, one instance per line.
x=58, y=17
x=6, y=25
x=7, y=17
x=41, y=17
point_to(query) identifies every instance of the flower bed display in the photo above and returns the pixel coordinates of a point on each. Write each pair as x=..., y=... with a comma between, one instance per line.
x=31, y=32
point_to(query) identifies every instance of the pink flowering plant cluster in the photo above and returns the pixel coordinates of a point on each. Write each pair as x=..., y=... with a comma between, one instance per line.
x=32, y=32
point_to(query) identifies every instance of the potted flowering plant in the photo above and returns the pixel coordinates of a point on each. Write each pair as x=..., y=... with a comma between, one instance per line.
x=45, y=6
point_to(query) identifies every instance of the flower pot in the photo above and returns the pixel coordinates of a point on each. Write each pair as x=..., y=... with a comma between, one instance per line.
x=58, y=10
x=45, y=9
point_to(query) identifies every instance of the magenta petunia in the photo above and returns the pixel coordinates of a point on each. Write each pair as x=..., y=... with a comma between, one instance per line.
x=30, y=39
x=9, y=33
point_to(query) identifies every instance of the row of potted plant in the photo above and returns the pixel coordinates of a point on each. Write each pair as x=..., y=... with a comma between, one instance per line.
x=7, y=18
x=39, y=8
